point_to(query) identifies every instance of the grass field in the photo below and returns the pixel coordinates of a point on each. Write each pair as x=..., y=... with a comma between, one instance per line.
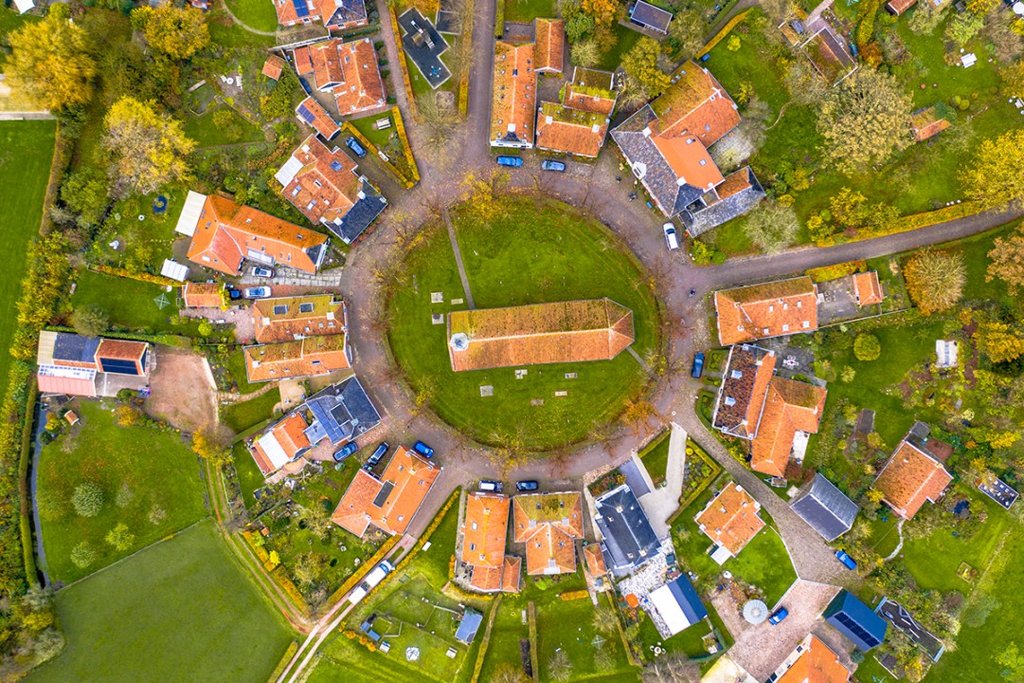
x=258, y=15
x=205, y=131
x=655, y=457
x=26, y=150
x=245, y=414
x=131, y=305
x=159, y=470
x=180, y=610
x=524, y=11
x=524, y=256
x=236, y=368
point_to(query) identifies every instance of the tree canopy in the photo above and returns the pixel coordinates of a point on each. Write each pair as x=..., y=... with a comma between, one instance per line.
x=772, y=227
x=147, y=148
x=993, y=178
x=178, y=32
x=935, y=279
x=50, y=61
x=641, y=66
x=1007, y=261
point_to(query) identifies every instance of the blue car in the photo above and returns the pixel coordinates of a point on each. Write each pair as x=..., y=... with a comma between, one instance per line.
x=423, y=449
x=345, y=451
x=847, y=561
x=552, y=165
x=527, y=485
x=356, y=148
x=512, y=162
x=778, y=615
x=698, y=366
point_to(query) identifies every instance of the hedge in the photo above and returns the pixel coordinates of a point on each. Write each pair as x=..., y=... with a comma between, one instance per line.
x=906, y=223
x=27, y=547
x=130, y=275
x=499, y=20
x=481, y=654
x=836, y=271
x=354, y=132
x=720, y=36
x=293, y=647
x=531, y=613
x=410, y=160
x=403, y=66
x=573, y=595
x=163, y=339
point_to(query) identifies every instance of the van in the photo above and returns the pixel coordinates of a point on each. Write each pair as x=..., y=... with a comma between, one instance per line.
x=490, y=486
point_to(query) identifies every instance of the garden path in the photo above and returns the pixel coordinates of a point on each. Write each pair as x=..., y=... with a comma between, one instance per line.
x=458, y=257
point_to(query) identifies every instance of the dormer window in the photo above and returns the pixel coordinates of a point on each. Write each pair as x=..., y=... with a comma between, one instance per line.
x=730, y=401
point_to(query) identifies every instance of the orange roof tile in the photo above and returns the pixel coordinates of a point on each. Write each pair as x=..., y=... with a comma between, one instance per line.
x=288, y=318
x=351, y=511
x=598, y=102
x=228, y=232
x=203, y=294
x=303, y=60
x=485, y=525
x=350, y=72
x=766, y=310
x=568, y=130
x=910, y=478
x=549, y=524
x=316, y=117
x=745, y=381
x=595, y=560
x=867, y=289
x=731, y=518
x=308, y=357
x=562, y=332
x=273, y=67
x=735, y=182
x=816, y=664
x=514, y=104
x=696, y=104
x=119, y=349
x=510, y=574
x=790, y=407
x=325, y=186
x=898, y=7
x=549, y=50
x=689, y=160
x=289, y=435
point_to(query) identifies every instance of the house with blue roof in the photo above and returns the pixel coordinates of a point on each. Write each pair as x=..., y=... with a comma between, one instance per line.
x=468, y=626
x=850, y=616
x=675, y=607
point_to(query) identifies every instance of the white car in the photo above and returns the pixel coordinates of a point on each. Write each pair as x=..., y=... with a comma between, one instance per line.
x=670, y=236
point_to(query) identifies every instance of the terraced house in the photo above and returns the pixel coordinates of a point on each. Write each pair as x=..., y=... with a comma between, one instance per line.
x=666, y=145
x=77, y=365
x=348, y=71
x=481, y=545
x=771, y=309
x=295, y=317
x=324, y=185
x=578, y=124
x=340, y=15
x=307, y=357
x=514, y=98
x=548, y=525
x=225, y=235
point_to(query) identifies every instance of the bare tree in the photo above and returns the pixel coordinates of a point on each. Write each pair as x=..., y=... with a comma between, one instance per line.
x=672, y=669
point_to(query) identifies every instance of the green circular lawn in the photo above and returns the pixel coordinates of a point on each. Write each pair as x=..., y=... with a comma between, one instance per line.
x=531, y=250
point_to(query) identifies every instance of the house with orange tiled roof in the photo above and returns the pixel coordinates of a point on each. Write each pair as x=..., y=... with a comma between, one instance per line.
x=337, y=15
x=225, y=235
x=204, y=295
x=514, y=95
x=915, y=474
x=593, y=557
x=548, y=526
x=311, y=113
x=928, y=122
x=792, y=411
x=665, y=143
x=481, y=544
x=731, y=519
x=307, y=357
x=322, y=183
x=288, y=318
x=348, y=71
x=559, y=332
x=77, y=365
x=741, y=395
x=591, y=90
x=283, y=443
x=812, y=662
x=549, y=45
x=770, y=309
x=273, y=67
x=389, y=502
x=579, y=123
x=867, y=290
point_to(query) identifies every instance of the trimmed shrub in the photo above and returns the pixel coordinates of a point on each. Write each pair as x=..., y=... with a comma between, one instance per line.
x=866, y=347
x=87, y=499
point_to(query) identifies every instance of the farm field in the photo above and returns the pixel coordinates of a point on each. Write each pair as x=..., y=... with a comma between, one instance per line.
x=181, y=603
x=26, y=150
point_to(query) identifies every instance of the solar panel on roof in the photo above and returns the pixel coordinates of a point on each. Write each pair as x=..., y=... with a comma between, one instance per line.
x=121, y=367
x=383, y=494
x=306, y=114
x=305, y=308
x=336, y=165
x=280, y=309
x=301, y=9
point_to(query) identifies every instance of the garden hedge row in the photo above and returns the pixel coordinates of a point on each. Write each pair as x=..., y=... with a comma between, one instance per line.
x=402, y=66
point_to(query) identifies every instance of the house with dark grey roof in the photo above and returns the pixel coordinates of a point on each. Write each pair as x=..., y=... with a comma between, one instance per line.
x=855, y=620
x=629, y=540
x=341, y=412
x=649, y=16
x=826, y=508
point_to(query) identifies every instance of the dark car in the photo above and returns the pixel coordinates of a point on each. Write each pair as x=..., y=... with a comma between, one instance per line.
x=847, y=561
x=234, y=294
x=698, y=366
x=356, y=148
x=552, y=165
x=345, y=451
x=512, y=162
x=423, y=449
x=527, y=485
x=378, y=453
x=778, y=615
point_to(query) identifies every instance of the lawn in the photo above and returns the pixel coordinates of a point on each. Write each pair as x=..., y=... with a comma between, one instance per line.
x=236, y=368
x=182, y=609
x=131, y=305
x=207, y=133
x=254, y=13
x=26, y=150
x=655, y=457
x=525, y=11
x=249, y=476
x=225, y=32
x=625, y=38
x=247, y=414
x=538, y=250
x=160, y=472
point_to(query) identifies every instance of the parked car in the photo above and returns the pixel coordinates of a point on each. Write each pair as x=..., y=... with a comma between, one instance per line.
x=345, y=451
x=262, y=271
x=552, y=165
x=671, y=238
x=379, y=452
x=698, y=365
x=423, y=449
x=847, y=561
x=527, y=485
x=778, y=615
x=234, y=294
x=356, y=148
x=256, y=292
x=490, y=486
x=513, y=162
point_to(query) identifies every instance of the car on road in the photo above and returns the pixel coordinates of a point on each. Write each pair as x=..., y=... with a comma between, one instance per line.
x=490, y=486
x=671, y=238
x=262, y=271
x=778, y=615
x=552, y=165
x=379, y=452
x=356, y=148
x=847, y=561
x=423, y=449
x=527, y=485
x=510, y=161
x=345, y=451
x=256, y=292
x=698, y=365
